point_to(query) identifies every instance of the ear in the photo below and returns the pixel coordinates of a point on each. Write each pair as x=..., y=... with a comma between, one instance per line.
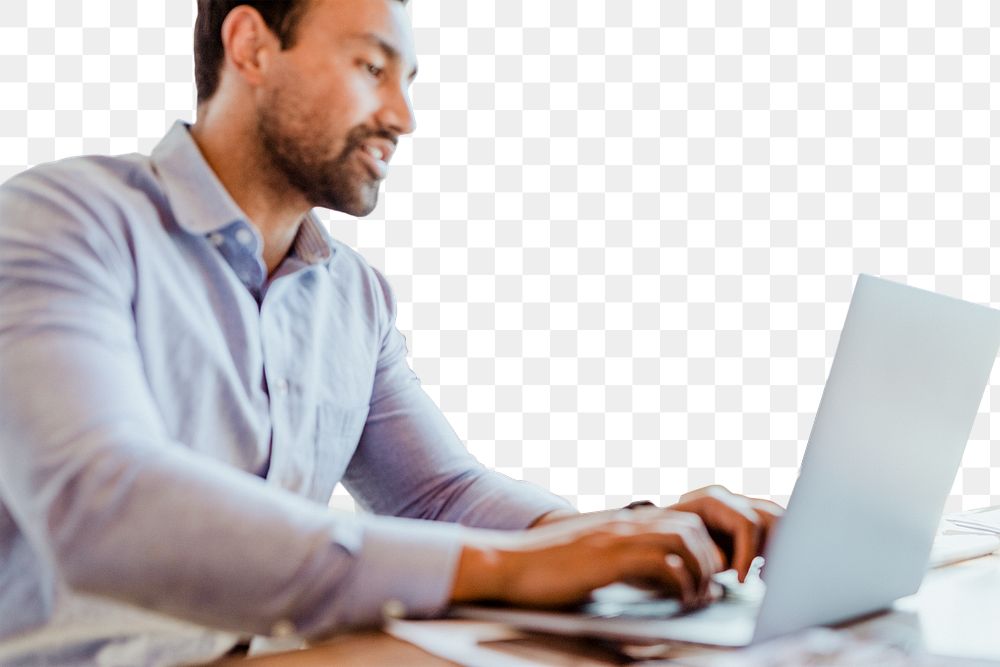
x=248, y=43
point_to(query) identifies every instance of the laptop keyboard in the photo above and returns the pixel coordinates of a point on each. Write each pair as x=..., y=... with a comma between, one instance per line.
x=620, y=601
x=646, y=609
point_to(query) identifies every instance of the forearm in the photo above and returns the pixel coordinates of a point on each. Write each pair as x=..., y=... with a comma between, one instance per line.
x=225, y=550
x=411, y=463
x=115, y=508
x=495, y=501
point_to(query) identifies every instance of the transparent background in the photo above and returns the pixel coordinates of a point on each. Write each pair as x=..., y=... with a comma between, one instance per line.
x=625, y=234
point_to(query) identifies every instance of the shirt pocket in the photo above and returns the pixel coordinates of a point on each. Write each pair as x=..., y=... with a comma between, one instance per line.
x=338, y=430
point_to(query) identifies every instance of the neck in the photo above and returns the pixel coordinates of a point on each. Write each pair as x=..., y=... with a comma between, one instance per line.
x=271, y=204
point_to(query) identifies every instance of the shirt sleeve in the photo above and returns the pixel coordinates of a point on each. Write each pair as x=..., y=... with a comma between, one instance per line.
x=113, y=506
x=411, y=463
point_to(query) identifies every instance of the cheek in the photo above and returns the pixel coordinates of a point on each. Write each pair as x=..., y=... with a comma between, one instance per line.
x=324, y=102
x=353, y=96
x=335, y=109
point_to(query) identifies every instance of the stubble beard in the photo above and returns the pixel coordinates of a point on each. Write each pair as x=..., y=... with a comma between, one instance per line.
x=295, y=148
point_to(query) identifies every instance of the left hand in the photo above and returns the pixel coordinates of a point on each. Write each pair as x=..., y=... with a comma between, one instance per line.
x=740, y=526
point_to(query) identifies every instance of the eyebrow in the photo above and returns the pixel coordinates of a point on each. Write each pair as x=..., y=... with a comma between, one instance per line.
x=388, y=49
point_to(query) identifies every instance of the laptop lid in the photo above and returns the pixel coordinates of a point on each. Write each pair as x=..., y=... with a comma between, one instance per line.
x=899, y=404
x=904, y=388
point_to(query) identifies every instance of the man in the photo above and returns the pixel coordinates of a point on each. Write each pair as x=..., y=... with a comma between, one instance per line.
x=189, y=364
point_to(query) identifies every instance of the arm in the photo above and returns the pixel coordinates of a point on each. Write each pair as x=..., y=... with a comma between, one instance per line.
x=411, y=463
x=113, y=506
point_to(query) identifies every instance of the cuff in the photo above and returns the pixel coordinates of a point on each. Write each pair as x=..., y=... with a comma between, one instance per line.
x=405, y=567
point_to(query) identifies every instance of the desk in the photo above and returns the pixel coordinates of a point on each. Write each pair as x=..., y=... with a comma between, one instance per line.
x=955, y=613
x=358, y=649
x=957, y=610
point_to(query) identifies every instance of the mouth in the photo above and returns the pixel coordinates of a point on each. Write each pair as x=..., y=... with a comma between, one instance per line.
x=375, y=154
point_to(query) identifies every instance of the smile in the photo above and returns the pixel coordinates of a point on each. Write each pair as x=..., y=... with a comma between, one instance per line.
x=372, y=156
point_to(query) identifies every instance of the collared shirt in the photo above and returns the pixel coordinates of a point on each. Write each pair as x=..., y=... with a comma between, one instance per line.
x=173, y=421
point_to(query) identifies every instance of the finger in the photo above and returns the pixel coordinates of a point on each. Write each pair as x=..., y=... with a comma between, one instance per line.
x=769, y=511
x=700, y=548
x=746, y=541
x=714, y=555
x=708, y=553
x=768, y=514
x=683, y=534
x=648, y=566
x=702, y=492
x=676, y=572
x=694, y=545
x=735, y=516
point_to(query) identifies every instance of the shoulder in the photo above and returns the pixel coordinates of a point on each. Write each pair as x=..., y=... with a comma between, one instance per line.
x=78, y=212
x=85, y=192
x=88, y=178
x=352, y=271
x=348, y=262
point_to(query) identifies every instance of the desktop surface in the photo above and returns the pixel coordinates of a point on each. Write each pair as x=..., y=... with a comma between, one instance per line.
x=955, y=616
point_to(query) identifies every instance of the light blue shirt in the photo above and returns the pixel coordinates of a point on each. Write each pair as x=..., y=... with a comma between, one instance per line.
x=173, y=422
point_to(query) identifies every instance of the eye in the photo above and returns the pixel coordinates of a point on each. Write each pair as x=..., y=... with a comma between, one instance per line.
x=374, y=70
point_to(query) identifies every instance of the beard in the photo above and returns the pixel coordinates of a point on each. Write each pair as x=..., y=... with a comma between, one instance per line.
x=297, y=151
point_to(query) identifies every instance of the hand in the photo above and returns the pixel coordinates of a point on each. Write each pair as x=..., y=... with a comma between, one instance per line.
x=561, y=563
x=740, y=526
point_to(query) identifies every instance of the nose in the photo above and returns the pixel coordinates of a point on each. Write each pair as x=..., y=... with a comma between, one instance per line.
x=397, y=110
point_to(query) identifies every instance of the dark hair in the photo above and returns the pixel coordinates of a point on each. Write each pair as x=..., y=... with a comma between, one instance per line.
x=281, y=16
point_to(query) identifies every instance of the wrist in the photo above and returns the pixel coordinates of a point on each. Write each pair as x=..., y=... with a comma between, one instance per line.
x=479, y=575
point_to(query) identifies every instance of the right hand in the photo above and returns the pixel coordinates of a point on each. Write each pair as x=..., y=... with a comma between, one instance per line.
x=561, y=563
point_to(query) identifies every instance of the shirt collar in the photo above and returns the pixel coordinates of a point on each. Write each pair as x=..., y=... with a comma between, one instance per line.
x=312, y=242
x=202, y=205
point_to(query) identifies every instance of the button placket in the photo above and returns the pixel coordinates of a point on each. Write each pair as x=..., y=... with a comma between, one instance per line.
x=244, y=236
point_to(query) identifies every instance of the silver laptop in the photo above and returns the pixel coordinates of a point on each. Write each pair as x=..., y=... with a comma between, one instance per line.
x=905, y=386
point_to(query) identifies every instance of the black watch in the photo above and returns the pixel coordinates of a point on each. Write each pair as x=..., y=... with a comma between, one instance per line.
x=639, y=503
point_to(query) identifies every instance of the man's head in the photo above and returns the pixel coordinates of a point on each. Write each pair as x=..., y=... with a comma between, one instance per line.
x=323, y=86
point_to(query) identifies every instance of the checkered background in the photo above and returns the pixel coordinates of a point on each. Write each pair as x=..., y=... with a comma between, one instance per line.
x=625, y=233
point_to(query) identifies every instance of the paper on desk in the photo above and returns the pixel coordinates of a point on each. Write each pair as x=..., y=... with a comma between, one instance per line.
x=833, y=648
x=985, y=520
x=966, y=535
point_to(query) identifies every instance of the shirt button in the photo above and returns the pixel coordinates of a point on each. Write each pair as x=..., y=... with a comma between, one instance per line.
x=216, y=238
x=283, y=628
x=281, y=386
x=244, y=236
x=393, y=609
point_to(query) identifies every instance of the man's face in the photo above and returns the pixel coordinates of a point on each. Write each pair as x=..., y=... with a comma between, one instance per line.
x=334, y=105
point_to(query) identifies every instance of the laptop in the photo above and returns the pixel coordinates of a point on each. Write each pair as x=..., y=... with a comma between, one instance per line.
x=897, y=410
